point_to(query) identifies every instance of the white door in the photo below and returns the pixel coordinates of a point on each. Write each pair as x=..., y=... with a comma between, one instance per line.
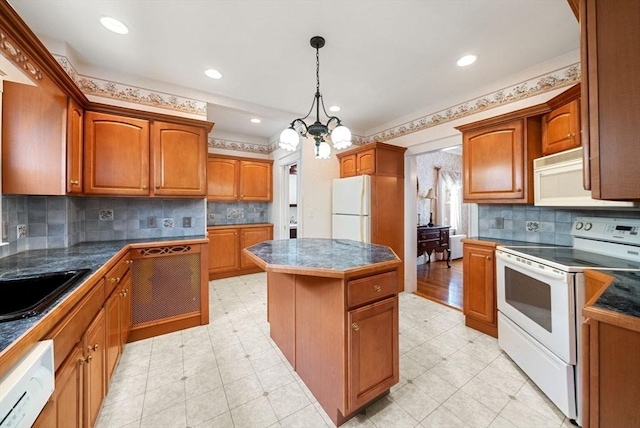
x=357, y=228
x=351, y=195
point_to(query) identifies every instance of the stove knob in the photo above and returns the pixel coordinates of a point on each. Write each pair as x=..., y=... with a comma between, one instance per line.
x=578, y=225
x=588, y=226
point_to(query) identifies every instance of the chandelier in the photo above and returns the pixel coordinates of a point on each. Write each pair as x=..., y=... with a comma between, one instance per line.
x=340, y=135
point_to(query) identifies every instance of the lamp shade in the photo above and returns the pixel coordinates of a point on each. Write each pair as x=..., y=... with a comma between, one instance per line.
x=323, y=151
x=341, y=137
x=430, y=194
x=289, y=139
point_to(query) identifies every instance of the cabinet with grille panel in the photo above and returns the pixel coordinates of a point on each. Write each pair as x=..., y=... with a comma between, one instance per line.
x=169, y=289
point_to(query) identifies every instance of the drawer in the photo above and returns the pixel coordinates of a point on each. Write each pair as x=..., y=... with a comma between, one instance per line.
x=372, y=288
x=69, y=331
x=424, y=235
x=115, y=275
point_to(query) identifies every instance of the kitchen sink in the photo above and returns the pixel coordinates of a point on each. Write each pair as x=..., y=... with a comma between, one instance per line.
x=27, y=296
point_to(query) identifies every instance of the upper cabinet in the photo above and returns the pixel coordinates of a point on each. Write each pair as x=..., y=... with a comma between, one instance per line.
x=131, y=157
x=34, y=123
x=498, y=154
x=359, y=163
x=179, y=159
x=610, y=42
x=239, y=179
x=116, y=155
x=75, y=138
x=561, y=126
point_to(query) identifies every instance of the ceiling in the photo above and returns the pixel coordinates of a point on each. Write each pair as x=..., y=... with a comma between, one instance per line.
x=383, y=60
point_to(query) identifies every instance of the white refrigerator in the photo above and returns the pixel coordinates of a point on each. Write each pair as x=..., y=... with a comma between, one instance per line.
x=351, y=208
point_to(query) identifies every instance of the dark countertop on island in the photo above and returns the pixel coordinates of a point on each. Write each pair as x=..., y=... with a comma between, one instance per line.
x=622, y=296
x=86, y=255
x=320, y=257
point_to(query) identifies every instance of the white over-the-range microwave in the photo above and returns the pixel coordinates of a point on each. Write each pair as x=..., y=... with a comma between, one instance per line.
x=557, y=182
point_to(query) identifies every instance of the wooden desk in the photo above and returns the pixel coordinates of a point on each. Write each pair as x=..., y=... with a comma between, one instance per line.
x=432, y=239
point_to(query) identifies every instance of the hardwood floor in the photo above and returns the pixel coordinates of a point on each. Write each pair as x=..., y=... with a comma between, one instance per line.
x=438, y=283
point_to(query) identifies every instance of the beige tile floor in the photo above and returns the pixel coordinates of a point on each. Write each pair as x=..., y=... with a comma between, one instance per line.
x=230, y=374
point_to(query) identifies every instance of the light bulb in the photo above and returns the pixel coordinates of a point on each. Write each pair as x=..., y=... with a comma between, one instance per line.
x=341, y=137
x=289, y=139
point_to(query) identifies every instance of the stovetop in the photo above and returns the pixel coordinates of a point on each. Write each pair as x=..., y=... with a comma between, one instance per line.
x=570, y=259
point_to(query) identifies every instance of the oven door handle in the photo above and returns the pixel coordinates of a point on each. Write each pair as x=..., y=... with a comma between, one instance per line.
x=532, y=266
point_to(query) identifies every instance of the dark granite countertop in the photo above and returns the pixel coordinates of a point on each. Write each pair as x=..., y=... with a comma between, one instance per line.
x=86, y=255
x=507, y=242
x=322, y=254
x=622, y=295
x=239, y=224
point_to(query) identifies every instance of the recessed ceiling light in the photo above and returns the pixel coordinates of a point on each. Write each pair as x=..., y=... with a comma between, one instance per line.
x=255, y=120
x=466, y=60
x=214, y=74
x=114, y=25
x=334, y=108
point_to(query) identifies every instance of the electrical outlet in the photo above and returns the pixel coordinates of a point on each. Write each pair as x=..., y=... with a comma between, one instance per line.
x=22, y=231
x=151, y=222
x=533, y=226
x=186, y=221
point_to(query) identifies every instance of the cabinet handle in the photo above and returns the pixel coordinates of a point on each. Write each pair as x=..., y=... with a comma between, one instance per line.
x=116, y=279
x=128, y=262
x=571, y=135
x=355, y=326
x=488, y=258
x=518, y=189
x=75, y=182
x=144, y=187
x=89, y=358
x=157, y=186
x=377, y=288
x=82, y=360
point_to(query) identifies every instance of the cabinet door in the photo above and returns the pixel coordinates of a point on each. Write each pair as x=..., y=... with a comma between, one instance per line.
x=125, y=309
x=69, y=392
x=561, y=129
x=348, y=166
x=224, y=247
x=75, y=126
x=366, y=162
x=493, y=162
x=33, y=140
x=112, y=316
x=116, y=155
x=222, y=179
x=255, y=181
x=479, y=284
x=94, y=375
x=373, y=358
x=179, y=160
x=249, y=237
x=610, y=66
x=444, y=238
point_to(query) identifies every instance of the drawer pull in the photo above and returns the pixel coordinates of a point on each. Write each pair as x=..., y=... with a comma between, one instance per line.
x=82, y=360
x=89, y=358
x=377, y=288
x=75, y=182
x=571, y=135
x=116, y=279
x=355, y=326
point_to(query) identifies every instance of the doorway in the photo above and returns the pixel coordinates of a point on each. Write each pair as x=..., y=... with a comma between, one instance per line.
x=293, y=201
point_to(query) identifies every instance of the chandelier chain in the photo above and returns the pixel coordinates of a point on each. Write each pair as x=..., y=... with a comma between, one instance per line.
x=318, y=70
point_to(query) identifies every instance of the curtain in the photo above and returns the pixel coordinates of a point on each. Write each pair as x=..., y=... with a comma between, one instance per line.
x=450, y=200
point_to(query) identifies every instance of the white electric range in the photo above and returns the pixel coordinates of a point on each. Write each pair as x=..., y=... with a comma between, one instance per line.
x=540, y=293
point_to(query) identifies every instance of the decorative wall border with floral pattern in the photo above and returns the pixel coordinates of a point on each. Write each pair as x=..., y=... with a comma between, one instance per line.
x=218, y=143
x=556, y=79
x=132, y=94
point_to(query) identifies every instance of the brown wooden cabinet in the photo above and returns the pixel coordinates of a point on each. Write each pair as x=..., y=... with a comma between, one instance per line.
x=561, y=126
x=497, y=157
x=33, y=140
x=372, y=350
x=385, y=164
x=179, y=165
x=239, y=179
x=75, y=138
x=95, y=389
x=116, y=155
x=610, y=67
x=479, y=287
x=117, y=312
x=227, y=242
x=610, y=355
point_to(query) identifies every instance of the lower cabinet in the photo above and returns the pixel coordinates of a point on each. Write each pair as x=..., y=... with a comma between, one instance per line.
x=479, y=287
x=226, y=245
x=118, y=322
x=373, y=332
x=94, y=369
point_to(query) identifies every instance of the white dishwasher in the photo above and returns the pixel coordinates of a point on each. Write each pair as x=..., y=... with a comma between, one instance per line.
x=25, y=389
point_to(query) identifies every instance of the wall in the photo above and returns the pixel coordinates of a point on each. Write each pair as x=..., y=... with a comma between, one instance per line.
x=427, y=179
x=221, y=213
x=60, y=221
x=554, y=225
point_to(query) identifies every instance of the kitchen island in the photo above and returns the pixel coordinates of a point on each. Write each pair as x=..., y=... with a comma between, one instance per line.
x=332, y=306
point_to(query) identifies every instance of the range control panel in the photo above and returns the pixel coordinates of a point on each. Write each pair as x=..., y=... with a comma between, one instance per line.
x=621, y=230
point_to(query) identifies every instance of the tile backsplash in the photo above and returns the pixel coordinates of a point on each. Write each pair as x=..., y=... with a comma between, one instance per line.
x=61, y=221
x=221, y=213
x=544, y=225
